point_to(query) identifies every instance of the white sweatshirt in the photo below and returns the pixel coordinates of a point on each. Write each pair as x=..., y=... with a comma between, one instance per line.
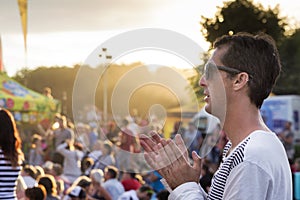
x=256, y=169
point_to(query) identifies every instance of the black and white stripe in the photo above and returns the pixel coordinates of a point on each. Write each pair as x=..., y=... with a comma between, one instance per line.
x=8, y=178
x=220, y=177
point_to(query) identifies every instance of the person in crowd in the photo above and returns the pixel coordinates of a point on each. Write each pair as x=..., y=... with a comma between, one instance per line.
x=48, y=92
x=129, y=181
x=36, y=193
x=21, y=187
x=11, y=155
x=49, y=183
x=145, y=192
x=163, y=195
x=36, y=153
x=112, y=131
x=28, y=174
x=76, y=193
x=153, y=179
x=212, y=140
x=60, y=135
x=84, y=182
x=86, y=165
x=287, y=129
x=177, y=129
x=97, y=191
x=82, y=134
x=72, y=160
x=126, y=148
x=96, y=152
x=192, y=138
x=93, y=134
x=206, y=177
x=107, y=158
x=56, y=171
x=237, y=78
x=48, y=167
x=111, y=183
x=289, y=145
x=132, y=125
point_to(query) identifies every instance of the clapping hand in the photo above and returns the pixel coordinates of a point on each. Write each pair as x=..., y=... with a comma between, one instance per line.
x=170, y=159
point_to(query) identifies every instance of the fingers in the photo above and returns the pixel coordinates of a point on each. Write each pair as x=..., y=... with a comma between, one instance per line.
x=147, y=143
x=171, y=150
x=180, y=143
x=197, y=161
x=158, y=158
x=149, y=159
x=155, y=137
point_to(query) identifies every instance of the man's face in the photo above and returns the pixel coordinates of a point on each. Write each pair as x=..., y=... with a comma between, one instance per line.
x=214, y=81
x=192, y=127
x=143, y=196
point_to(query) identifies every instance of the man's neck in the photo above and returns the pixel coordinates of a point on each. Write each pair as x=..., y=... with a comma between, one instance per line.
x=241, y=121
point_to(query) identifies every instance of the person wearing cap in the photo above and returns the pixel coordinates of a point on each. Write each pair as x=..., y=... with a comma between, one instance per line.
x=129, y=180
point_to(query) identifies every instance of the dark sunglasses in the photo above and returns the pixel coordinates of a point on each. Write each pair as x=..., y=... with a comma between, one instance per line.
x=210, y=68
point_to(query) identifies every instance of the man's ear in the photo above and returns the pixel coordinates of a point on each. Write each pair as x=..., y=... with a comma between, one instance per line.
x=240, y=81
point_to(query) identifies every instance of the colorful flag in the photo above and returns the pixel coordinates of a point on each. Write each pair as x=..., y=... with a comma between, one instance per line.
x=23, y=14
x=1, y=58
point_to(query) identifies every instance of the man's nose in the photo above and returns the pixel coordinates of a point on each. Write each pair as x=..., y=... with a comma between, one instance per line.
x=202, y=81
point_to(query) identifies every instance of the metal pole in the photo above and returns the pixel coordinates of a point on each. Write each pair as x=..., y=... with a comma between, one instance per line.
x=105, y=96
x=105, y=85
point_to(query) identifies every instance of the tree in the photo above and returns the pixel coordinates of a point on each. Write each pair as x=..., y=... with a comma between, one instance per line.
x=244, y=16
x=62, y=80
x=290, y=58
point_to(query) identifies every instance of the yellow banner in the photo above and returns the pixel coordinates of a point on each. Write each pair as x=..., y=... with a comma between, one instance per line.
x=23, y=14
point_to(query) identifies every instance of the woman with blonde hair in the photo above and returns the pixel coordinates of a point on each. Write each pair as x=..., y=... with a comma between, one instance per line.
x=11, y=155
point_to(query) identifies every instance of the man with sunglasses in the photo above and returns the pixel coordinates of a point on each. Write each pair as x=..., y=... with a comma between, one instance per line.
x=237, y=78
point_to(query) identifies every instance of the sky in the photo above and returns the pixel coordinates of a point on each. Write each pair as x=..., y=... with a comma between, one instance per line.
x=66, y=32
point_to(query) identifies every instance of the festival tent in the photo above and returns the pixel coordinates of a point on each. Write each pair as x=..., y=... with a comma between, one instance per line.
x=26, y=105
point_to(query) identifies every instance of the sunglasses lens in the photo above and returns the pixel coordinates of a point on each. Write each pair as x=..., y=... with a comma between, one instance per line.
x=209, y=69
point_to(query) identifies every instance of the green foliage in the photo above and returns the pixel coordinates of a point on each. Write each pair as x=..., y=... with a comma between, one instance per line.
x=59, y=79
x=244, y=16
x=62, y=80
x=290, y=58
x=194, y=80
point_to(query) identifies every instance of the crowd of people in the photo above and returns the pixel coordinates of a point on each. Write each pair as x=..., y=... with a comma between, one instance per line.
x=83, y=161
x=65, y=163
x=71, y=162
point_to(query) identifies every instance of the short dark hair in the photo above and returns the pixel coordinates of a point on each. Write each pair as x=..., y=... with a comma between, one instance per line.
x=112, y=171
x=258, y=56
x=146, y=188
x=36, y=192
x=30, y=170
x=108, y=147
x=49, y=183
